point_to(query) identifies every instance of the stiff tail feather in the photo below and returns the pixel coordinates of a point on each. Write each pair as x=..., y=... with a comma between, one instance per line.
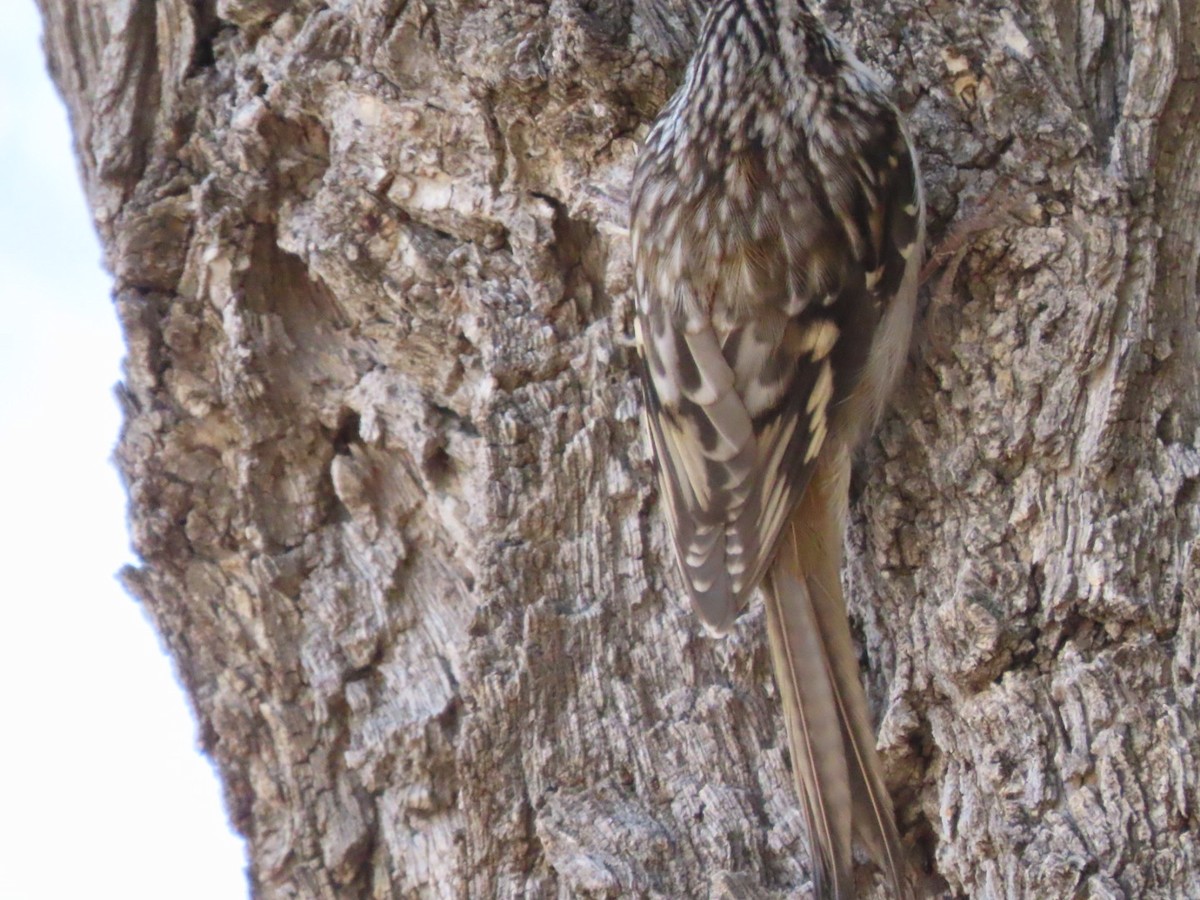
x=832, y=744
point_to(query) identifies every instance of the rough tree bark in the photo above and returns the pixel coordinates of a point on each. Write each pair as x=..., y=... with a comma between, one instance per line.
x=395, y=515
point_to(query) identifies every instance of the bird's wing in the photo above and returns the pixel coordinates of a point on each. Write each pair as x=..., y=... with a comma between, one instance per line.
x=756, y=312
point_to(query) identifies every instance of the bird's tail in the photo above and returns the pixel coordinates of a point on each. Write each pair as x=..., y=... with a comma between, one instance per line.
x=832, y=744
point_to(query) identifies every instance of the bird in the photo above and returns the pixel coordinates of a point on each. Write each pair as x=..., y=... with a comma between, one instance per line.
x=777, y=226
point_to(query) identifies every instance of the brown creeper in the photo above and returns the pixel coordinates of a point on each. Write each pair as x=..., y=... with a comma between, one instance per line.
x=777, y=224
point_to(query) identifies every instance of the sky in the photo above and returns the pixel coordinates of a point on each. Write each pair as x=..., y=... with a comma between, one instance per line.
x=102, y=791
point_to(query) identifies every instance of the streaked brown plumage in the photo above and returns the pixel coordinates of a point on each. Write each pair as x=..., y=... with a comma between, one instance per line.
x=777, y=225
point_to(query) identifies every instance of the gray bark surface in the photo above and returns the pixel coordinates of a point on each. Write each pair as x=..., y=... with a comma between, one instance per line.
x=396, y=517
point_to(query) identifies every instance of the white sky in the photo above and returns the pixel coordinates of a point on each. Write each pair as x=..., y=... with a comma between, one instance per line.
x=102, y=794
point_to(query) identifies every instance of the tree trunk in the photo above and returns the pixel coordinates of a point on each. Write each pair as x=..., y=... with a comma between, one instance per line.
x=395, y=513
